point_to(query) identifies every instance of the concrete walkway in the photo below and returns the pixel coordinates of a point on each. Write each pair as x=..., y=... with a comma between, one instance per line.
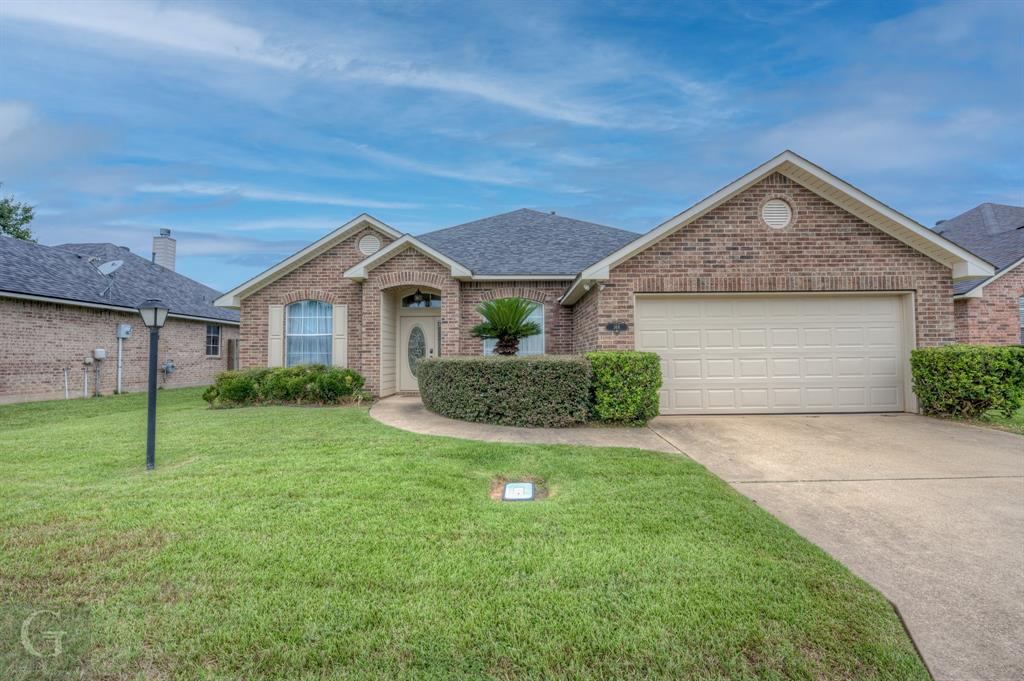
x=408, y=413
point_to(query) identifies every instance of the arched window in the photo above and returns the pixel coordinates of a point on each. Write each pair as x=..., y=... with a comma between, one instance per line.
x=531, y=345
x=421, y=300
x=308, y=333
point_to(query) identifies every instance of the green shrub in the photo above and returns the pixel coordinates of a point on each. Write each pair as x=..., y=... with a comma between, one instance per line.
x=969, y=380
x=624, y=387
x=305, y=384
x=515, y=391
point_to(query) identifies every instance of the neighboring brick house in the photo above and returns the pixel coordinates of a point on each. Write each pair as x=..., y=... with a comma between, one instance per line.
x=786, y=291
x=990, y=310
x=57, y=309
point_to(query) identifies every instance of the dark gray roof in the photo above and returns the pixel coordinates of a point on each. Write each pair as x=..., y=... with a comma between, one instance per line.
x=69, y=272
x=993, y=231
x=527, y=242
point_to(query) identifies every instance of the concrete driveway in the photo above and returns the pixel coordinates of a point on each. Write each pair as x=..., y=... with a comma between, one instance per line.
x=930, y=512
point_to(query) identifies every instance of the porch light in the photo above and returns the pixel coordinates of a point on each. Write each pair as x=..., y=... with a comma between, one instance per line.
x=418, y=296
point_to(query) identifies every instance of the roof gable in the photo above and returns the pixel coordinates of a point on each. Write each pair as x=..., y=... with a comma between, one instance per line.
x=965, y=265
x=360, y=270
x=233, y=298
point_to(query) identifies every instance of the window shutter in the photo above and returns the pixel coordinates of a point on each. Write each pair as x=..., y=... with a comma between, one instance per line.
x=275, y=336
x=339, y=349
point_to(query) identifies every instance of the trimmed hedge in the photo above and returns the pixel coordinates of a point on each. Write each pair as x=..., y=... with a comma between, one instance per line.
x=305, y=384
x=514, y=391
x=969, y=380
x=624, y=387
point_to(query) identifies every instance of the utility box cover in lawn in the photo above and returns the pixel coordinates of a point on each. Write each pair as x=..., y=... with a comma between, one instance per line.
x=518, y=491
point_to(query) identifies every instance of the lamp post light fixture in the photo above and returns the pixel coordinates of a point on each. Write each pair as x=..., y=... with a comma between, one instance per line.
x=154, y=314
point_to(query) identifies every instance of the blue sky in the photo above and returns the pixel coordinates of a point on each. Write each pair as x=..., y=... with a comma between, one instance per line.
x=251, y=129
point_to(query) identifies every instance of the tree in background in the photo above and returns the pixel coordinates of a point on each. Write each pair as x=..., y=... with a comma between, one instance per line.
x=14, y=218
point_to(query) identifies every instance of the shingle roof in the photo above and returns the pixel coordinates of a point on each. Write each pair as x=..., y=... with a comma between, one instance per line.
x=993, y=231
x=69, y=272
x=527, y=242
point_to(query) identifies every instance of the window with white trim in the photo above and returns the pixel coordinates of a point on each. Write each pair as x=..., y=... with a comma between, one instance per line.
x=531, y=345
x=212, y=340
x=308, y=333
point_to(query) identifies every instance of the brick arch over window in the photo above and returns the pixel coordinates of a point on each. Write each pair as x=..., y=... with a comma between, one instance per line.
x=409, y=278
x=536, y=295
x=308, y=294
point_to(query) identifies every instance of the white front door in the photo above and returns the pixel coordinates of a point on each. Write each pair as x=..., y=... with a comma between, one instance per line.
x=779, y=353
x=417, y=340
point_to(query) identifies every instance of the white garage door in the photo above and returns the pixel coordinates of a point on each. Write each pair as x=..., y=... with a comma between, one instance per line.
x=784, y=354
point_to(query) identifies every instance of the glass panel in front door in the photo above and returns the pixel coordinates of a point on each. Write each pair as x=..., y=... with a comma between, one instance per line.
x=417, y=348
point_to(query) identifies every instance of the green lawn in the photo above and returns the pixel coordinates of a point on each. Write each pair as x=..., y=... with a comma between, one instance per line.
x=299, y=543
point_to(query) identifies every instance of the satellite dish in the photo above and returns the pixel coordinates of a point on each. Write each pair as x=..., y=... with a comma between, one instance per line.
x=109, y=268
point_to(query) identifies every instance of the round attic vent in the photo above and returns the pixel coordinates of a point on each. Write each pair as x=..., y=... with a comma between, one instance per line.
x=776, y=214
x=369, y=244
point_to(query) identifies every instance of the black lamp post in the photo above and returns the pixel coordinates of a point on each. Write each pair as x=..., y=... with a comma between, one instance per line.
x=154, y=314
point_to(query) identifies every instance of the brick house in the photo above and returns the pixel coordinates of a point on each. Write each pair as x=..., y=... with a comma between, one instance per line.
x=990, y=310
x=788, y=290
x=57, y=309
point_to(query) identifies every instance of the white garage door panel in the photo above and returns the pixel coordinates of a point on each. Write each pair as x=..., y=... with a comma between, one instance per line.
x=787, y=353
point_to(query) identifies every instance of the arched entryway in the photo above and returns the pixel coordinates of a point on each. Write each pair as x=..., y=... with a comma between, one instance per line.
x=417, y=313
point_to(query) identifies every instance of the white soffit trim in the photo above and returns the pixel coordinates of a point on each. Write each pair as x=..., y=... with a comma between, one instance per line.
x=965, y=265
x=358, y=271
x=233, y=298
x=976, y=291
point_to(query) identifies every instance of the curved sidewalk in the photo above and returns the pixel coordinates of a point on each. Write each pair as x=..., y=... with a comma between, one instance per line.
x=408, y=413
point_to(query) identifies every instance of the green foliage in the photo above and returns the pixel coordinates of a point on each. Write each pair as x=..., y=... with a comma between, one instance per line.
x=969, y=380
x=14, y=218
x=505, y=321
x=625, y=386
x=305, y=384
x=514, y=391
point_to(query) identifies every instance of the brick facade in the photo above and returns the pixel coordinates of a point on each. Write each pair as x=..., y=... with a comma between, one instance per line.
x=727, y=250
x=319, y=279
x=39, y=340
x=731, y=250
x=994, y=318
x=558, y=319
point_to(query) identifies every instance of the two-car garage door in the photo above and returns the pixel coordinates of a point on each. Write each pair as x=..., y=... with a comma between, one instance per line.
x=776, y=353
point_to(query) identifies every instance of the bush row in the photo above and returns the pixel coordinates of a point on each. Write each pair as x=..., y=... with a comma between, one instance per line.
x=306, y=384
x=549, y=391
x=969, y=380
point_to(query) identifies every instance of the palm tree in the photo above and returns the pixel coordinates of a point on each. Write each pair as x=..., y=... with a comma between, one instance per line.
x=505, y=320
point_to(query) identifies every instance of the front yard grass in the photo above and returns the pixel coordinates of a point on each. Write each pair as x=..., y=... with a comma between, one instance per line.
x=284, y=542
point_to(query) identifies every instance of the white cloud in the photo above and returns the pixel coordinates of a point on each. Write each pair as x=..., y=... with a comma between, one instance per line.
x=489, y=173
x=14, y=118
x=157, y=24
x=263, y=194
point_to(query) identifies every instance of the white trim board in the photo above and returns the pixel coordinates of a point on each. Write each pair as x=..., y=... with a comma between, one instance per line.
x=233, y=298
x=358, y=271
x=115, y=308
x=976, y=292
x=965, y=265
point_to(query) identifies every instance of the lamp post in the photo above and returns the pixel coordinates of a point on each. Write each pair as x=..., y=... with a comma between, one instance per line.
x=154, y=314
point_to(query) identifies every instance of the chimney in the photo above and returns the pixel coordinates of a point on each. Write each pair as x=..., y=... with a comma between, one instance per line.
x=163, y=249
